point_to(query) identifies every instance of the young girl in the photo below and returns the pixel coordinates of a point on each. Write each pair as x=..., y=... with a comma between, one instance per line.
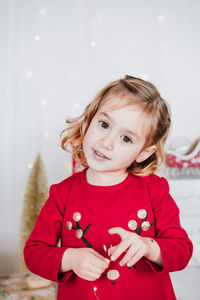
x=119, y=226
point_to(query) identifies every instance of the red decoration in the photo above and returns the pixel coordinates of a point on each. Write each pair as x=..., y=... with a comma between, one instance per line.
x=186, y=165
x=191, y=160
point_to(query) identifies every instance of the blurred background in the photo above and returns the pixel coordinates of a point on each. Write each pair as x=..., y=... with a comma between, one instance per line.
x=55, y=57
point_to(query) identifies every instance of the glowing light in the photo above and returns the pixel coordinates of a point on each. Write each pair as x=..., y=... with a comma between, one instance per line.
x=42, y=11
x=37, y=38
x=92, y=44
x=45, y=134
x=77, y=104
x=95, y=289
x=30, y=165
x=161, y=18
x=29, y=74
x=43, y=101
x=108, y=260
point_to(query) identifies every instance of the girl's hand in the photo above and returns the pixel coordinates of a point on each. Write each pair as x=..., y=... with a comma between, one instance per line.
x=87, y=263
x=135, y=246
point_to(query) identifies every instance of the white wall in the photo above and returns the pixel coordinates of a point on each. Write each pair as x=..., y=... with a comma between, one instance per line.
x=67, y=70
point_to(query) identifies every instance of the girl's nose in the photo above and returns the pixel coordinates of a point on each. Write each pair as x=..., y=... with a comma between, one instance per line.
x=108, y=142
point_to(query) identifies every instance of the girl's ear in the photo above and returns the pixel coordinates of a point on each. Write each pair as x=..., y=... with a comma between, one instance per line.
x=146, y=153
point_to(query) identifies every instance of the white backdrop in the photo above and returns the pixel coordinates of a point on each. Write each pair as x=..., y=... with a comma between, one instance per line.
x=56, y=55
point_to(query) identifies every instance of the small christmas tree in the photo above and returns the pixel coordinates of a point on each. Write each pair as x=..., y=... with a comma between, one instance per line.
x=34, y=198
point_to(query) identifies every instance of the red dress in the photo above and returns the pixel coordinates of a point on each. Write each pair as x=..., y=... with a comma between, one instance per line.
x=144, y=200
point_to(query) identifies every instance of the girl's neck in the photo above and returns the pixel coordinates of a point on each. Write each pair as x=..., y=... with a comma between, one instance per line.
x=105, y=178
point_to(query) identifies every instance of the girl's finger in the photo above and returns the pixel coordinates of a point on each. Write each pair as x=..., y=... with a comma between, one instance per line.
x=91, y=271
x=138, y=255
x=101, y=257
x=100, y=263
x=130, y=253
x=119, y=230
x=111, y=250
x=91, y=276
x=95, y=270
x=97, y=254
x=120, y=249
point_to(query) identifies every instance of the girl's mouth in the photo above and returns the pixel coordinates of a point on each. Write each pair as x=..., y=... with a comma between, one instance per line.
x=99, y=155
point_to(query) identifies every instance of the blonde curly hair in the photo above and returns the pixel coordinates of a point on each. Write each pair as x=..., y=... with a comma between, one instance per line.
x=133, y=91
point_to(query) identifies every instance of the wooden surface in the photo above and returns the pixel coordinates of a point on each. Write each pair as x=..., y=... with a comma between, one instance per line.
x=15, y=286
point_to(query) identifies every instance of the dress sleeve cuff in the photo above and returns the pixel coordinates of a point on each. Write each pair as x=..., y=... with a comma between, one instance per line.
x=155, y=267
x=62, y=277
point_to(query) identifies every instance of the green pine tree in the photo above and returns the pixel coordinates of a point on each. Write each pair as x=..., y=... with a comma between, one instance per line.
x=34, y=198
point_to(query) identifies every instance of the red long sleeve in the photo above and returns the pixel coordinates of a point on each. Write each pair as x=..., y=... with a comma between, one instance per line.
x=176, y=247
x=41, y=253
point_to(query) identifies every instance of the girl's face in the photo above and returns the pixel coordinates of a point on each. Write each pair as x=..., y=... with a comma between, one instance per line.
x=115, y=137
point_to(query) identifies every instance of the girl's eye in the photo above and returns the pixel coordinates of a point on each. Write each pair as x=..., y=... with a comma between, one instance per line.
x=126, y=139
x=103, y=124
